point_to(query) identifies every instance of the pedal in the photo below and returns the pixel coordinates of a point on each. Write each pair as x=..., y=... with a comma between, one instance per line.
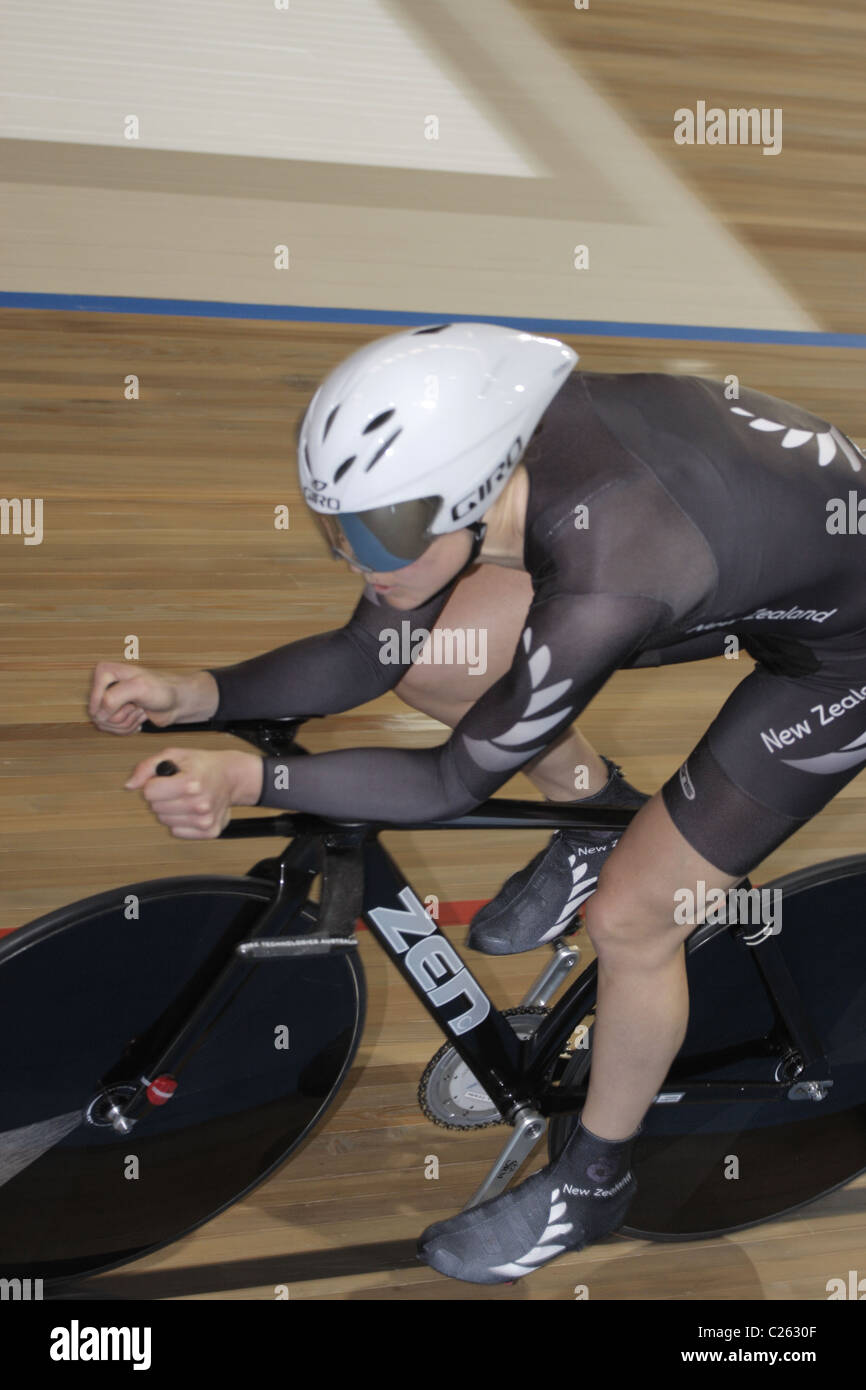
x=274, y=948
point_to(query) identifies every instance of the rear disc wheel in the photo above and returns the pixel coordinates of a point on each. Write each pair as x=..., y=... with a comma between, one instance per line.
x=704, y=1169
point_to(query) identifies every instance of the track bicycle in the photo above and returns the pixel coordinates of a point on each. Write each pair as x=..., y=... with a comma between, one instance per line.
x=205, y=1025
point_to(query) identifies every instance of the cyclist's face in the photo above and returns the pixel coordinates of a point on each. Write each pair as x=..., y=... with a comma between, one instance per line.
x=411, y=585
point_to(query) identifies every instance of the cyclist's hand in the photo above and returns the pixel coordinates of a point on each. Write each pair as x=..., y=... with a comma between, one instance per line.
x=196, y=802
x=123, y=696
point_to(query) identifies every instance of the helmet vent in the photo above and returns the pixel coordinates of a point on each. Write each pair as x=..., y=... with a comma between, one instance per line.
x=379, y=420
x=436, y=328
x=329, y=422
x=347, y=463
x=385, y=447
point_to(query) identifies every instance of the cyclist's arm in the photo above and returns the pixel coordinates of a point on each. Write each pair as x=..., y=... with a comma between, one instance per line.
x=330, y=671
x=570, y=646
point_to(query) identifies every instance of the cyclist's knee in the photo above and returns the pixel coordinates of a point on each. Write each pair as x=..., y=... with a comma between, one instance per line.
x=622, y=926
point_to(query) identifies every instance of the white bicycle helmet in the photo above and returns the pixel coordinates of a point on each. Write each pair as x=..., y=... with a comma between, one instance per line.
x=417, y=434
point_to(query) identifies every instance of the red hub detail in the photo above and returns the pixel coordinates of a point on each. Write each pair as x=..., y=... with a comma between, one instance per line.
x=161, y=1089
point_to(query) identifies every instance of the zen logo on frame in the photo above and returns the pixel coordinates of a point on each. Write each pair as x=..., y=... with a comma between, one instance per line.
x=432, y=961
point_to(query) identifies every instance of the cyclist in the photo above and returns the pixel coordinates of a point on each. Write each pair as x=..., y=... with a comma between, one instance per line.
x=628, y=520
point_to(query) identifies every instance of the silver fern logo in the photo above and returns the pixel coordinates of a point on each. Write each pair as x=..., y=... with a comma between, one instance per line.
x=498, y=753
x=849, y=755
x=583, y=885
x=829, y=442
x=543, y=1250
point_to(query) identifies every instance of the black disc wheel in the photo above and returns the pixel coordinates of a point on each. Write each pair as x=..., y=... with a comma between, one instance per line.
x=83, y=986
x=705, y=1168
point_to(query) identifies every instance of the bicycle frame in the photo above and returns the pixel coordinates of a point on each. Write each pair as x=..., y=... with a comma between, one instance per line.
x=361, y=879
x=512, y=1070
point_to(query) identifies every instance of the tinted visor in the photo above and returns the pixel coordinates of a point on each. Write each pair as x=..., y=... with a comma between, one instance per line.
x=384, y=538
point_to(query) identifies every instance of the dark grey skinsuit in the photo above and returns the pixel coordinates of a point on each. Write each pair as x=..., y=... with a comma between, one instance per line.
x=663, y=518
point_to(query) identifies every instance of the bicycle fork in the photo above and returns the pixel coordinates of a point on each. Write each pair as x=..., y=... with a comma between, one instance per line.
x=146, y=1076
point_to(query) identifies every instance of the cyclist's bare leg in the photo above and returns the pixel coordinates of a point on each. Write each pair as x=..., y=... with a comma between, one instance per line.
x=585, y=1193
x=495, y=600
x=643, y=998
x=642, y=989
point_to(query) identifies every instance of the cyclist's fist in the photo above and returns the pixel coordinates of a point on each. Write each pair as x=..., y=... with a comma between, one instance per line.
x=122, y=696
x=195, y=803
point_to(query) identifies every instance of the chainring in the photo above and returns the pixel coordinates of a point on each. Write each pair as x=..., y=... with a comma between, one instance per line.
x=449, y=1094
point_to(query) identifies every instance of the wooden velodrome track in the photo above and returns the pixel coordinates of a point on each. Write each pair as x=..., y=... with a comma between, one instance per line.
x=158, y=517
x=136, y=543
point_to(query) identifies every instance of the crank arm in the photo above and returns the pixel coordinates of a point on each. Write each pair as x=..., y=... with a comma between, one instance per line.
x=565, y=958
x=529, y=1127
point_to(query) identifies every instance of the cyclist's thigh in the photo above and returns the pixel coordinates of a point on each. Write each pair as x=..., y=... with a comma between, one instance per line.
x=487, y=611
x=780, y=748
x=639, y=887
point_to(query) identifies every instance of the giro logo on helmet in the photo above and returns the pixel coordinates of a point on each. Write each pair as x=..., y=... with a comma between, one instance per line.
x=316, y=499
x=477, y=497
x=385, y=473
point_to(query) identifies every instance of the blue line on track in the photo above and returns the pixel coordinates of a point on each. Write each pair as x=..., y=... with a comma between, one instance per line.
x=588, y=328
